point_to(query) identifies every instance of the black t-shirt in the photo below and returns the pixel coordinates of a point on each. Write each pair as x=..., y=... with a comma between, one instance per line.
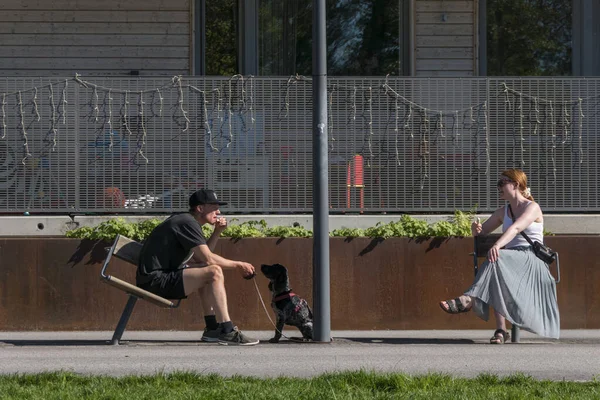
x=169, y=246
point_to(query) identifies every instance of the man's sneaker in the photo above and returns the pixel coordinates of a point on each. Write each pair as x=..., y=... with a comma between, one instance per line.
x=236, y=338
x=211, y=335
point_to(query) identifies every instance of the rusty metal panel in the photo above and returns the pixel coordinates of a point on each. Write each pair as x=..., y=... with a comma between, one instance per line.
x=54, y=284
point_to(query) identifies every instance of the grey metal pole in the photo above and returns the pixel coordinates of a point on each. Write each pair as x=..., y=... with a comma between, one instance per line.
x=321, y=303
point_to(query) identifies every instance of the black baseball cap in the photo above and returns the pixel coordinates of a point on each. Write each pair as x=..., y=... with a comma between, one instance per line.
x=205, y=196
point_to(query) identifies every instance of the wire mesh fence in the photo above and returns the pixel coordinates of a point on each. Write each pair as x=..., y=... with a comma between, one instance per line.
x=125, y=145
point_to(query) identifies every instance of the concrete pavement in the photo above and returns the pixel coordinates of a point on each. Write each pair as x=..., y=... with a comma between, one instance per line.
x=576, y=356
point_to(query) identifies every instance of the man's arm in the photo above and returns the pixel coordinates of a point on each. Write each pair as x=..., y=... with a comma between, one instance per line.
x=219, y=227
x=203, y=254
x=212, y=240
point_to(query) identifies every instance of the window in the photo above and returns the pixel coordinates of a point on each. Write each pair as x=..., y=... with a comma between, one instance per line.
x=220, y=21
x=364, y=37
x=529, y=37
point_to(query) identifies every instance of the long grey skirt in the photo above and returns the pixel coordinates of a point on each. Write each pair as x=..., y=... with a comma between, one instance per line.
x=520, y=287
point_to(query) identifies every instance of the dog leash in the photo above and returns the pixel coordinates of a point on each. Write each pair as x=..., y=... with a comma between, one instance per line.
x=267, y=312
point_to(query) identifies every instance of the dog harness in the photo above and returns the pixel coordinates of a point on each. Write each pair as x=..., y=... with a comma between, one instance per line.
x=288, y=295
x=284, y=296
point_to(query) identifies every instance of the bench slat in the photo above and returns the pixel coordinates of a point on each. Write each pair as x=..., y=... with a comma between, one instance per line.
x=484, y=243
x=132, y=289
x=128, y=250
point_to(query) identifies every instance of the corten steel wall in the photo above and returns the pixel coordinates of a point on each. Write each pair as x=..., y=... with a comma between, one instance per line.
x=54, y=284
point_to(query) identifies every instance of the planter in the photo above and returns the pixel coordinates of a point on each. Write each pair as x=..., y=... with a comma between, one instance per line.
x=54, y=284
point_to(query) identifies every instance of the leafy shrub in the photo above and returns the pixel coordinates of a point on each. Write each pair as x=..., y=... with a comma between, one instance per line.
x=458, y=226
x=108, y=230
x=347, y=232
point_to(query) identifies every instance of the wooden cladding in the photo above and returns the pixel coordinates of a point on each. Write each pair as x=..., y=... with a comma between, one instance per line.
x=110, y=37
x=445, y=38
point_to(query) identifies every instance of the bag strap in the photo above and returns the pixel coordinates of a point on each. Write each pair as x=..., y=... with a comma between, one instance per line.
x=512, y=216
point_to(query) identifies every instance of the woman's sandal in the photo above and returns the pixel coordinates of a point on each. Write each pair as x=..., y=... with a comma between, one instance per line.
x=454, y=306
x=500, y=337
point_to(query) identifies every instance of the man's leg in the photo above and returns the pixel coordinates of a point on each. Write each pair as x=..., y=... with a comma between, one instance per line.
x=212, y=282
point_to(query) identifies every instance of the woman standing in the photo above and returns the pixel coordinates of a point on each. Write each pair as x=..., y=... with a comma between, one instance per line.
x=513, y=280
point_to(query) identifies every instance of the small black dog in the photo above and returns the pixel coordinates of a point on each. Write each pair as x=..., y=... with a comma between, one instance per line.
x=289, y=308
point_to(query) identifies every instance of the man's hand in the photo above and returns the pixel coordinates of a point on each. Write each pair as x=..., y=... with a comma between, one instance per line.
x=221, y=224
x=476, y=227
x=247, y=270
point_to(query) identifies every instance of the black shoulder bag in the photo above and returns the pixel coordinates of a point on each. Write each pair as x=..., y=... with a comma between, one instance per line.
x=543, y=252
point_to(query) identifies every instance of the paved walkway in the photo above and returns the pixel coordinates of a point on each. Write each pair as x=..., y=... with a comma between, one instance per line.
x=576, y=356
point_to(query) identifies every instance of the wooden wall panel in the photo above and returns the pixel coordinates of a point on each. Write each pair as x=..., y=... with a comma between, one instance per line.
x=111, y=37
x=445, y=41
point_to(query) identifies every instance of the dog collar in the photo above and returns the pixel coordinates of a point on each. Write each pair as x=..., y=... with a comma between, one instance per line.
x=284, y=296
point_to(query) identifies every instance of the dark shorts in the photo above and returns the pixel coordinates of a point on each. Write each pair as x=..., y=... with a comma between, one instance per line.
x=166, y=284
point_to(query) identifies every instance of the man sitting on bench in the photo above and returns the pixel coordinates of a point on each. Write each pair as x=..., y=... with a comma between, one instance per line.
x=177, y=260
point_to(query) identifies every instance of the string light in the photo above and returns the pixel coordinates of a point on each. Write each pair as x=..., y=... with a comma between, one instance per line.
x=455, y=133
x=370, y=123
x=581, y=116
x=23, y=131
x=160, y=99
x=125, y=112
x=208, y=130
x=53, y=120
x=521, y=131
x=109, y=122
x=64, y=102
x=330, y=117
x=429, y=138
x=507, y=98
x=35, y=106
x=95, y=108
x=397, y=131
x=440, y=125
x=252, y=100
x=3, y=116
x=424, y=155
x=553, y=142
x=177, y=81
x=407, y=123
x=488, y=160
x=230, y=117
x=143, y=125
x=567, y=124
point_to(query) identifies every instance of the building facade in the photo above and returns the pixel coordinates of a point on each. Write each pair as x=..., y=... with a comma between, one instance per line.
x=442, y=38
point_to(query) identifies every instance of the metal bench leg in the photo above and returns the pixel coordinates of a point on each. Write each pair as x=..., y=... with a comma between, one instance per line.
x=515, y=335
x=124, y=319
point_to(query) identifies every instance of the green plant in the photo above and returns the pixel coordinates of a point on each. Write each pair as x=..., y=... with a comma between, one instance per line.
x=288, y=231
x=347, y=232
x=245, y=230
x=459, y=225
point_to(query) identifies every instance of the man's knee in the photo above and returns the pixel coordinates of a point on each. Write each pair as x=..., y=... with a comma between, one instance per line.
x=216, y=273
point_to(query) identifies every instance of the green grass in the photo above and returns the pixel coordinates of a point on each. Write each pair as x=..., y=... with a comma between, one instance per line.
x=350, y=385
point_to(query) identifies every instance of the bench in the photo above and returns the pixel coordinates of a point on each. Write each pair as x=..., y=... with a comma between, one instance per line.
x=481, y=246
x=129, y=251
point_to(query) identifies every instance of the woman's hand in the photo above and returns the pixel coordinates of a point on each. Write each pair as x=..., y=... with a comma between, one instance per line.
x=476, y=227
x=494, y=253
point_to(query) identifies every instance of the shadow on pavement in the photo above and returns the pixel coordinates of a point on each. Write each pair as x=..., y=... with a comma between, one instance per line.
x=405, y=340
x=98, y=342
